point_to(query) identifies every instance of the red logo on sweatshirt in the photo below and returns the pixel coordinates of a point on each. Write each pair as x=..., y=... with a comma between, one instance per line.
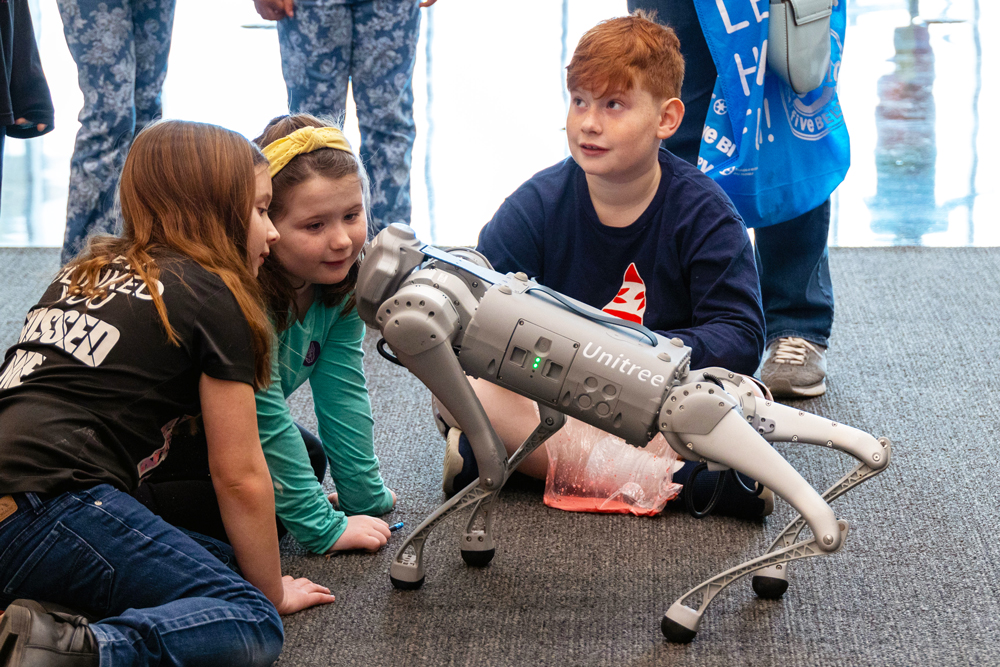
x=630, y=302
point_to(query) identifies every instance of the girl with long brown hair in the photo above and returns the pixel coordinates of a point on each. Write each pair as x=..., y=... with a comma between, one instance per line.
x=136, y=335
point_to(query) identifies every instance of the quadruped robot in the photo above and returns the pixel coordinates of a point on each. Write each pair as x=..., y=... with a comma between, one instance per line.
x=448, y=314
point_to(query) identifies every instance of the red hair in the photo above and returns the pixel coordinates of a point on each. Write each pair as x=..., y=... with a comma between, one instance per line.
x=622, y=53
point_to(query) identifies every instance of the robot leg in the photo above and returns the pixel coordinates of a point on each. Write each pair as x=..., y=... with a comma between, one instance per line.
x=780, y=423
x=701, y=421
x=477, y=544
x=680, y=623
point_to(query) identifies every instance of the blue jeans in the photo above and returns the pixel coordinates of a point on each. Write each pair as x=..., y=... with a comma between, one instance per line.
x=372, y=43
x=793, y=263
x=161, y=598
x=792, y=257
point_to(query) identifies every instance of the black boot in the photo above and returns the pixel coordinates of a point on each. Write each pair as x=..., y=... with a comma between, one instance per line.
x=33, y=636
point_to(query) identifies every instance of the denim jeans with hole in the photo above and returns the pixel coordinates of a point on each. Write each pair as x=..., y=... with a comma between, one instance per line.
x=159, y=596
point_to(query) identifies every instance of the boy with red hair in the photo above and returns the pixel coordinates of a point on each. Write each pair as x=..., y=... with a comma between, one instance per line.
x=625, y=226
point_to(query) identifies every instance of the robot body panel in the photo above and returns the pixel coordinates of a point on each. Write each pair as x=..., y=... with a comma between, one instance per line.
x=607, y=378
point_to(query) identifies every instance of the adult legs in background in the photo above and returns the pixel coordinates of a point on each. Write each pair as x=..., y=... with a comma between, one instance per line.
x=3, y=136
x=374, y=44
x=154, y=22
x=316, y=57
x=794, y=265
x=385, y=49
x=120, y=48
x=160, y=596
x=699, y=72
x=792, y=260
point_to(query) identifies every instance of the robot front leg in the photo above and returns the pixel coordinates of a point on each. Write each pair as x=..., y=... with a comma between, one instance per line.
x=780, y=423
x=477, y=544
x=700, y=422
x=420, y=326
x=407, y=569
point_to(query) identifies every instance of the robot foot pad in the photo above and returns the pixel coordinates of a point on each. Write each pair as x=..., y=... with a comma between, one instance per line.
x=769, y=588
x=478, y=558
x=675, y=632
x=399, y=584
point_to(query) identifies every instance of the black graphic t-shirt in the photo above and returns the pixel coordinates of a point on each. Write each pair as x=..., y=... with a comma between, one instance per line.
x=92, y=388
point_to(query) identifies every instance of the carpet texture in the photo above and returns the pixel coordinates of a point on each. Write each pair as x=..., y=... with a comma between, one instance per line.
x=917, y=582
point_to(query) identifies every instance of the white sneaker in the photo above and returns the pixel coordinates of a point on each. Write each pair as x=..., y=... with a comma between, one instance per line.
x=794, y=368
x=453, y=462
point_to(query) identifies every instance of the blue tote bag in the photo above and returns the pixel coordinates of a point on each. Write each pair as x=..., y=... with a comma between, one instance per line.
x=776, y=154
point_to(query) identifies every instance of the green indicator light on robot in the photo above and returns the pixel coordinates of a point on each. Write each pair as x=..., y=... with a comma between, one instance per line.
x=538, y=360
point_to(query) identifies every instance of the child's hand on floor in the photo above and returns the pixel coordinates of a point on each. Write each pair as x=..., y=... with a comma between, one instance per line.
x=363, y=532
x=301, y=594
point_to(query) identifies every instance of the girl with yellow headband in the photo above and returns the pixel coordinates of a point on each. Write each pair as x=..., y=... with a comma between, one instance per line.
x=320, y=207
x=318, y=204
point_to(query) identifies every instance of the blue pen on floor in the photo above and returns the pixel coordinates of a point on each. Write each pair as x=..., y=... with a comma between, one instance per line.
x=396, y=526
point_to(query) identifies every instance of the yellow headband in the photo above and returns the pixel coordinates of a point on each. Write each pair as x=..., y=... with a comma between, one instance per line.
x=304, y=140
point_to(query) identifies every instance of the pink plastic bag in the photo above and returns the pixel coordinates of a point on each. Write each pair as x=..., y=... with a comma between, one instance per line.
x=593, y=471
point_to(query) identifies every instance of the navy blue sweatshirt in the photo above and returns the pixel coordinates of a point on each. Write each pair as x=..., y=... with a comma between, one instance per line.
x=685, y=268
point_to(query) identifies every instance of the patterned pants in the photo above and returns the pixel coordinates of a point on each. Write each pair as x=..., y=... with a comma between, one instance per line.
x=374, y=44
x=120, y=48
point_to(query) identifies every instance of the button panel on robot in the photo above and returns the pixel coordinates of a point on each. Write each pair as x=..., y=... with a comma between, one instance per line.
x=536, y=360
x=595, y=392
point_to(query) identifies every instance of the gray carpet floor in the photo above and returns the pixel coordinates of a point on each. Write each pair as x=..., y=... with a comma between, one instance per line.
x=914, y=358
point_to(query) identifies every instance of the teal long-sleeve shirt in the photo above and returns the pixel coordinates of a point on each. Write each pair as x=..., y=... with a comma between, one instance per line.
x=325, y=348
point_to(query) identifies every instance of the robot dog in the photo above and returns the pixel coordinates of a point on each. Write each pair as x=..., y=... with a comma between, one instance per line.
x=448, y=314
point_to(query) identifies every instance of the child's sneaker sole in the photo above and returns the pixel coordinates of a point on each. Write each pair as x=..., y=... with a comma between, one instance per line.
x=783, y=389
x=767, y=495
x=453, y=462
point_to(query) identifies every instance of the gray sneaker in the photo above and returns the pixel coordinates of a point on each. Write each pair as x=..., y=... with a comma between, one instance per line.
x=794, y=368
